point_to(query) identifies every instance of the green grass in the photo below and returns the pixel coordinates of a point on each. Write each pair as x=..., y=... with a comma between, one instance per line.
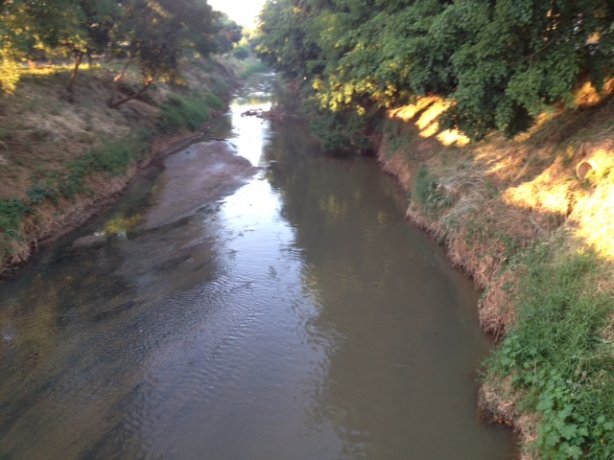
x=254, y=66
x=557, y=358
x=11, y=213
x=429, y=193
x=188, y=111
x=112, y=158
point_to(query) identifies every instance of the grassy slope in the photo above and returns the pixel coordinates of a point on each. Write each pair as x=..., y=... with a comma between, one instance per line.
x=532, y=220
x=59, y=159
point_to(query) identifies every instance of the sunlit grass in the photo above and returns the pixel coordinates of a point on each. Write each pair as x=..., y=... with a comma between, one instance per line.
x=545, y=193
x=425, y=113
x=53, y=69
x=587, y=95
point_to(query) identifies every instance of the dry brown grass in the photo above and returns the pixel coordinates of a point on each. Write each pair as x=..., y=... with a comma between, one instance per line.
x=42, y=129
x=554, y=184
x=508, y=193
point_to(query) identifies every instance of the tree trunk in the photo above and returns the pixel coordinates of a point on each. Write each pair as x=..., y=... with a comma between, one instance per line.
x=75, y=71
x=139, y=93
x=117, y=79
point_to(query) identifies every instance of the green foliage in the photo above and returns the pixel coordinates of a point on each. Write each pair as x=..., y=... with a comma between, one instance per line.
x=340, y=131
x=253, y=67
x=501, y=62
x=11, y=213
x=188, y=111
x=557, y=357
x=214, y=102
x=39, y=193
x=154, y=34
x=241, y=52
x=228, y=33
x=112, y=158
x=429, y=193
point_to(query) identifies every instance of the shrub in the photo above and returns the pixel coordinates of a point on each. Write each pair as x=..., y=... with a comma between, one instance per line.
x=11, y=213
x=429, y=193
x=556, y=356
x=241, y=52
x=186, y=112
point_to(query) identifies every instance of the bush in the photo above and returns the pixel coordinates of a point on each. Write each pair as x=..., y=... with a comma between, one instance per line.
x=11, y=213
x=241, y=52
x=556, y=356
x=429, y=193
x=342, y=131
x=187, y=111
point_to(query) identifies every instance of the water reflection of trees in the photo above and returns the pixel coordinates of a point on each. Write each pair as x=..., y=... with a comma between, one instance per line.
x=387, y=311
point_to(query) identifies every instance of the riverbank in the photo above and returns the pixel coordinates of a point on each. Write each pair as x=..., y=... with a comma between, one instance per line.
x=64, y=156
x=530, y=220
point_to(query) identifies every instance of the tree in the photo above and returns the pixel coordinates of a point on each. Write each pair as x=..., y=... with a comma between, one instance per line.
x=227, y=34
x=502, y=63
x=155, y=33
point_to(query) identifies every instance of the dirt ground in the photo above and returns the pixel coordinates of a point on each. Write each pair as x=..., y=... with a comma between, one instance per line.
x=197, y=175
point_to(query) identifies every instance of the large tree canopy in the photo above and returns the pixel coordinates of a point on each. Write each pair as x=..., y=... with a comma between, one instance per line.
x=502, y=62
x=151, y=33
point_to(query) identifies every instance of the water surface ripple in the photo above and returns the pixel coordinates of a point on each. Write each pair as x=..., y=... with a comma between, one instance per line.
x=296, y=317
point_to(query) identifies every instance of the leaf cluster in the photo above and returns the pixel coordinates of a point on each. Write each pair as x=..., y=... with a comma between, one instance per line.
x=502, y=62
x=153, y=33
x=557, y=357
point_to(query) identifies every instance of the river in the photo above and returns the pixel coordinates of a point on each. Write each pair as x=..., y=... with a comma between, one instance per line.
x=293, y=315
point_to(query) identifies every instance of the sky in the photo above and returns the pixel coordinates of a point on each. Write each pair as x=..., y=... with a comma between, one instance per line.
x=244, y=12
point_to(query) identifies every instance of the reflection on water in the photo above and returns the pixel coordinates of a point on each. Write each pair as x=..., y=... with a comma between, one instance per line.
x=297, y=318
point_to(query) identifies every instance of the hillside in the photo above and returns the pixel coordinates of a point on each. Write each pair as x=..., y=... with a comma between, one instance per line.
x=530, y=219
x=63, y=156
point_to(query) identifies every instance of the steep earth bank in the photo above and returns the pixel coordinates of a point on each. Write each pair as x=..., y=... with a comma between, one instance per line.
x=65, y=156
x=530, y=219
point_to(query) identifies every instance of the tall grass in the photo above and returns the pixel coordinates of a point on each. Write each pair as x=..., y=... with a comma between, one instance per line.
x=558, y=359
x=429, y=193
x=188, y=111
x=254, y=66
x=11, y=213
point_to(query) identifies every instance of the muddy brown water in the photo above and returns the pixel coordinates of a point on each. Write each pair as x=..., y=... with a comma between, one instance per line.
x=290, y=315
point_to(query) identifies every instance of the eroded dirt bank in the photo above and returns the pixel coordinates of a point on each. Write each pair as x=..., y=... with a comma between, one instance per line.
x=515, y=215
x=62, y=161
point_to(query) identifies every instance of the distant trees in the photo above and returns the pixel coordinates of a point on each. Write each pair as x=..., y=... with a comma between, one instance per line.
x=501, y=62
x=150, y=33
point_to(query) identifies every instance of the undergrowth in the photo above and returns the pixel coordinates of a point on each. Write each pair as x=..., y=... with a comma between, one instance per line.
x=429, y=193
x=557, y=358
x=11, y=213
x=111, y=158
x=188, y=111
x=253, y=67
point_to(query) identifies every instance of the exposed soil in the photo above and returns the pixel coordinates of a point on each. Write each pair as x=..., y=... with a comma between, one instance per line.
x=43, y=133
x=199, y=174
x=52, y=221
x=491, y=200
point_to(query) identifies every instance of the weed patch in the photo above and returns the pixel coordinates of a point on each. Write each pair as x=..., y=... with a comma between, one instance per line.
x=11, y=213
x=429, y=193
x=558, y=359
x=253, y=67
x=188, y=111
